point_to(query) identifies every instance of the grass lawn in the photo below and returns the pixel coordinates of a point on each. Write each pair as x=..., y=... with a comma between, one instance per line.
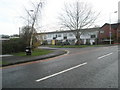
x=73, y=46
x=36, y=52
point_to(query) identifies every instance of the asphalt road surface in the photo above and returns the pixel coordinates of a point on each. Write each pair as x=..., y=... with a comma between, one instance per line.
x=91, y=67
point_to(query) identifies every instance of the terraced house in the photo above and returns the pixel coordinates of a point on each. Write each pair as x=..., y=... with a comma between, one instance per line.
x=88, y=36
x=99, y=35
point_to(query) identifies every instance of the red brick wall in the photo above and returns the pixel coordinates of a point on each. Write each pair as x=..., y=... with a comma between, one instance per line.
x=106, y=34
x=118, y=34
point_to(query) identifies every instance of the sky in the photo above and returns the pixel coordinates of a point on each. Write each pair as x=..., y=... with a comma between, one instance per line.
x=12, y=10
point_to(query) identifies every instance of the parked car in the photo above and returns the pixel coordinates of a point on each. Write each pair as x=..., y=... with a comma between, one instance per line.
x=65, y=42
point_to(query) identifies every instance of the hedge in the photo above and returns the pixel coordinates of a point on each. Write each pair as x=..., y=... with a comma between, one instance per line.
x=12, y=46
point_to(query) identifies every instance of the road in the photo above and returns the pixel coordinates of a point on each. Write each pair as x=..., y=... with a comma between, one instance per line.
x=91, y=67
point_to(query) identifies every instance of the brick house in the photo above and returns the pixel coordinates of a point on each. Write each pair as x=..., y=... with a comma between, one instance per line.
x=104, y=33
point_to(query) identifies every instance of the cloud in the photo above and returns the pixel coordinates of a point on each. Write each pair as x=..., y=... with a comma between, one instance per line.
x=8, y=28
x=11, y=10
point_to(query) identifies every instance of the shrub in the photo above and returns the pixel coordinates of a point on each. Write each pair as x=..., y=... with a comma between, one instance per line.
x=13, y=46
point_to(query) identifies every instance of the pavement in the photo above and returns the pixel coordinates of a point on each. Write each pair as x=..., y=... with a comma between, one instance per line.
x=11, y=60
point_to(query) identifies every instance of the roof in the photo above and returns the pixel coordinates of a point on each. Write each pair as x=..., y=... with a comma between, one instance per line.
x=66, y=31
x=115, y=25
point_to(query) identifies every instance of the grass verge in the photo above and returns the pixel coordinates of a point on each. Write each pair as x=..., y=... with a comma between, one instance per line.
x=74, y=46
x=3, y=62
x=36, y=52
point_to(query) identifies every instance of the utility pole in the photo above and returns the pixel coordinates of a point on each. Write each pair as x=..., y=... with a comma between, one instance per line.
x=110, y=31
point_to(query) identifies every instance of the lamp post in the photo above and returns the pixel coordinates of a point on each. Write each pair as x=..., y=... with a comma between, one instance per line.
x=29, y=15
x=28, y=26
x=34, y=18
x=117, y=34
x=110, y=31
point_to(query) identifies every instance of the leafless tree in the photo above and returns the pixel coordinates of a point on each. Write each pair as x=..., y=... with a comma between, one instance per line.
x=77, y=16
x=33, y=17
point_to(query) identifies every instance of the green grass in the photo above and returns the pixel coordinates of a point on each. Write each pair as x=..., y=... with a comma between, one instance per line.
x=73, y=46
x=36, y=52
x=3, y=62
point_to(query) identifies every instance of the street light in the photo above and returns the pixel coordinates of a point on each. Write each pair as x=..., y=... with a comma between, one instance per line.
x=110, y=27
x=29, y=15
x=30, y=43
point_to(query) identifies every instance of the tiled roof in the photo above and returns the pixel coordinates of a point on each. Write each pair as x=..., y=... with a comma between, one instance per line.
x=115, y=25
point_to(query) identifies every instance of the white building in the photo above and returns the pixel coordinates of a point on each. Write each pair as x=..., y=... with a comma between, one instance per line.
x=88, y=36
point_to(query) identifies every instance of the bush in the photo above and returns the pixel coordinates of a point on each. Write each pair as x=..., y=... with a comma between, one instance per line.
x=45, y=43
x=58, y=43
x=13, y=46
x=36, y=44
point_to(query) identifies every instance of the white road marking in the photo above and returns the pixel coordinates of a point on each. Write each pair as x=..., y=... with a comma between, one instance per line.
x=5, y=55
x=104, y=55
x=60, y=72
x=67, y=52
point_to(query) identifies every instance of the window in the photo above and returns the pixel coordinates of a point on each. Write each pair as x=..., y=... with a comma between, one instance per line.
x=45, y=37
x=101, y=32
x=49, y=36
x=65, y=37
x=59, y=35
x=118, y=31
x=93, y=36
x=65, y=34
x=54, y=36
x=70, y=34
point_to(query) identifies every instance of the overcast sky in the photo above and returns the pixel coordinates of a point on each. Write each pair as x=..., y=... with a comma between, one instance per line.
x=11, y=10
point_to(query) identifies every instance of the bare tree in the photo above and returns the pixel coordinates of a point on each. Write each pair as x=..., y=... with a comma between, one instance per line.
x=77, y=16
x=32, y=19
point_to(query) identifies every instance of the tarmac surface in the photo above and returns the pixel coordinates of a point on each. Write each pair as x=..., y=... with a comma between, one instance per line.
x=90, y=67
